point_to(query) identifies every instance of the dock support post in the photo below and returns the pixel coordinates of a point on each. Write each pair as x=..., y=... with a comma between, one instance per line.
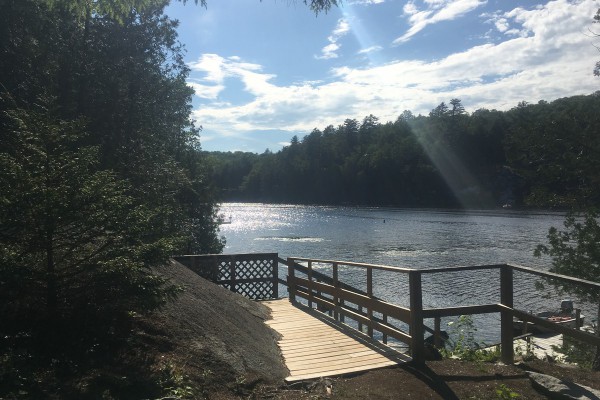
x=506, y=317
x=416, y=317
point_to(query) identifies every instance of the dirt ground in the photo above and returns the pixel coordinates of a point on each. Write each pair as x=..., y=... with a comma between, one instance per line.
x=446, y=379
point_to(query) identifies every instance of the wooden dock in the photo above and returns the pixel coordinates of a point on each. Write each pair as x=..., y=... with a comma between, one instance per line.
x=314, y=345
x=541, y=346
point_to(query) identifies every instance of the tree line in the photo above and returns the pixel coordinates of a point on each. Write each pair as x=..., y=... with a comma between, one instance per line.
x=542, y=155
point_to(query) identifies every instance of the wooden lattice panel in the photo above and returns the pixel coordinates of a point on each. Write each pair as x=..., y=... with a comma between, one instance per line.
x=252, y=275
x=256, y=290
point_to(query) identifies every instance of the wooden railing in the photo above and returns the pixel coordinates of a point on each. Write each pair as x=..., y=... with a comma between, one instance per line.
x=342, y=301
x=253, y=275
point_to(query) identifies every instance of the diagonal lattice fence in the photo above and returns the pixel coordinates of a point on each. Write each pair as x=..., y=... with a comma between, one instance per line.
x=252, y=275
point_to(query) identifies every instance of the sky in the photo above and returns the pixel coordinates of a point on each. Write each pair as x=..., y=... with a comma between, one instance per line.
x=264, y=71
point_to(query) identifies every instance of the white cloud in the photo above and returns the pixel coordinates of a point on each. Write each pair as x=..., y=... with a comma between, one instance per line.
x=217, y=68
x=410, y=8
x=502, y=25
x=370, y=50
x=554, y=59
x=329, y=51
x=365, y=2
x=435, y=11
x=210, y=92
x=340, y=30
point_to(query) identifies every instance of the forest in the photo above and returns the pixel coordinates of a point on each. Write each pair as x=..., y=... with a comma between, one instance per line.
x=544, y=155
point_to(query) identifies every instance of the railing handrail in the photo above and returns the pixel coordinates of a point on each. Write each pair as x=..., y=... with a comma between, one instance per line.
x=356, y=264
x=552, y=275
x=533, y=271
x=460, y=268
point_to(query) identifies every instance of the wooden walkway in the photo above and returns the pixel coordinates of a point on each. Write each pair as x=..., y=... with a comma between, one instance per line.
x=314, y=345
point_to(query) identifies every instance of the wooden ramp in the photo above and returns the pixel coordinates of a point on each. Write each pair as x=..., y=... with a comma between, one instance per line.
x=314, y=345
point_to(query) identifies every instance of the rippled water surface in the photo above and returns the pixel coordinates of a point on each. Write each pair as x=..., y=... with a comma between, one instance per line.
x=407, y=238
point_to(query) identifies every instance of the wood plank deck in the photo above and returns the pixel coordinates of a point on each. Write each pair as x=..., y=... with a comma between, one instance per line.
x=313, y=345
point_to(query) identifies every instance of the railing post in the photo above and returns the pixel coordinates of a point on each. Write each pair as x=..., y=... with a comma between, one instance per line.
x=291, y=281
x=384, y=338
x=310, y=291
x=416, y=317
x=232, y=274
x=276, y=276
x=370, y=294
x=217, y=271
x=360, y=325
x=336, y=284
x=506, y=317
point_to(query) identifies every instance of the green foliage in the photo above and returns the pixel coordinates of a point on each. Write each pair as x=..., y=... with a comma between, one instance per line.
x=575, y=251
x=104, y=72
x=100, y=163
x=556, y=154
x=505, y=393
x=321, y=5
x=577, y=352
x=117, y=10
x=463, y=344
x=69, y=230
x=176, y=384
x=526, y=352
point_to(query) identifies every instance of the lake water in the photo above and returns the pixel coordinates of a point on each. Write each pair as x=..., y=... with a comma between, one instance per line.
x=407, y=238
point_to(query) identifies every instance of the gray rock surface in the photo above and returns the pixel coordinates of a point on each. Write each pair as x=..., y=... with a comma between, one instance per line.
x=555, y=388
x=221, y=329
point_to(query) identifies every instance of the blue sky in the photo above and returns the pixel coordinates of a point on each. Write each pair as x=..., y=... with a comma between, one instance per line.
x=264, y=71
